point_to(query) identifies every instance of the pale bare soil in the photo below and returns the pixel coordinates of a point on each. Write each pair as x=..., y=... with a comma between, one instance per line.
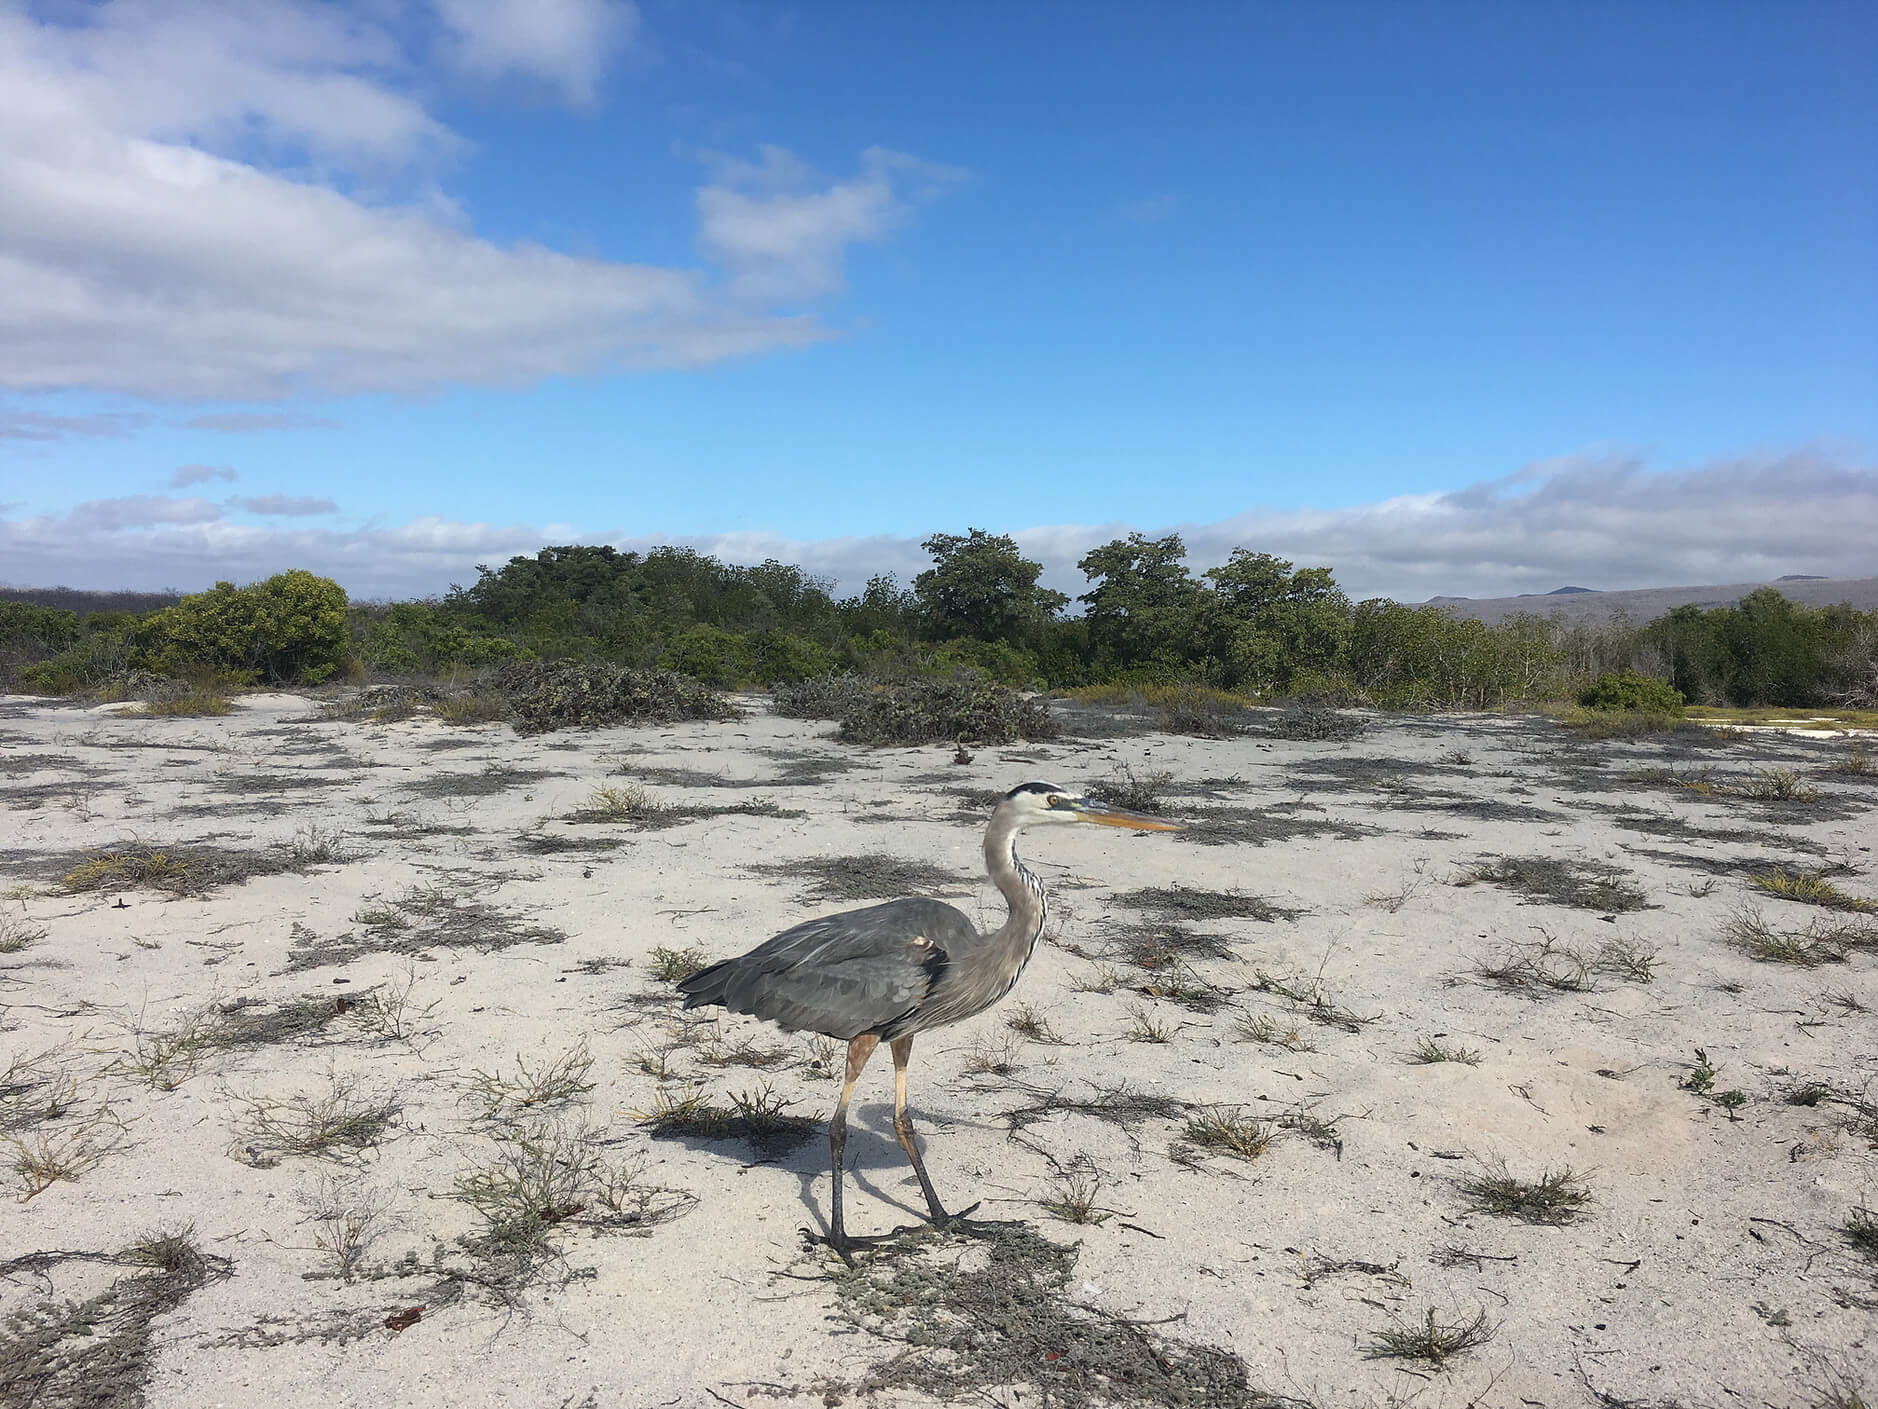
x=393, y=1087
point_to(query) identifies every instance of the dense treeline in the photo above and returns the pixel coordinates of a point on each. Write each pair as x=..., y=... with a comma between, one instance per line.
x=1255, y=625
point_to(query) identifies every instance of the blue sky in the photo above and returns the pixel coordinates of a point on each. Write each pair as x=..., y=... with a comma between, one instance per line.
x=1454, y=298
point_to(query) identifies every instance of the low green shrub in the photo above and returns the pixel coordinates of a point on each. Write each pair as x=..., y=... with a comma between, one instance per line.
x=288, y=630
x=1632, y=690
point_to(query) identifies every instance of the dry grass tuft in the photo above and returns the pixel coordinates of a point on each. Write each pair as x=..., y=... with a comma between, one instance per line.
x=1555, y=1198
x=1810, y=888
x=550, y=1082
x=17, y=932
x=1431, y=1050
x=337, y=1123
x=1822, y=941
x=1433, y=1340
x=1228, y=1131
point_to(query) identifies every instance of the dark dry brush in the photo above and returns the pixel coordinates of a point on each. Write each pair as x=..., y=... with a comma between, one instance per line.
x=873, y=876
x=543, y=697
x=1257, y=826
x=963, y=711
x=496, y=778
x=989, y=1311
x=1190, y=903
x=821, y=697
x=98, y=1353
x=184, y=870
x=1309, y=723
x=1582, y=884
x=424, y=917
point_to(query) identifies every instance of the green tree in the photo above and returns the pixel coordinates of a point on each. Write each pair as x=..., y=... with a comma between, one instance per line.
x=1142, y=598
x=1269, y=624
x=980, y=585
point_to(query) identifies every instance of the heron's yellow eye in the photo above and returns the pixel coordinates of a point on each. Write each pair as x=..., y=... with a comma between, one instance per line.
x=1054, y=800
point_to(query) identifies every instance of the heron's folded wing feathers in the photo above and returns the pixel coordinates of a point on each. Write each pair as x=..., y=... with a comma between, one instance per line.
x=841, y=974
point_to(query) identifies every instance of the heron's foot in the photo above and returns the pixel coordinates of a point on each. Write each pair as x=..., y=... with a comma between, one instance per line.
x=943, y=1220
x=843, y=1244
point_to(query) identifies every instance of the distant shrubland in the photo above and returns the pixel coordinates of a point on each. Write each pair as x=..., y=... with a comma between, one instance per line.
x=1254, y=628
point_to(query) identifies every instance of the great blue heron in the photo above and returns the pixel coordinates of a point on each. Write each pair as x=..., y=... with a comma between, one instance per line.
x=898, y=969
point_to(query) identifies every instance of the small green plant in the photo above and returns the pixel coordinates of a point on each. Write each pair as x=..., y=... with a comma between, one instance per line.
x=669, y=965
x=1701, y=1077
x=1861, y=1231
x=1073, y=1194
x=44, y=1157
x=1263, y=1027
x=1778, y=785
x=1433, y=1340
x=1229, y=1132
x=1856, y=761
x=337, y=1123
x=550, y=1082
x=1432, y=1050
x=1138, y=792
x=1032, y=1025
x=346, y=1220
x=1632, y=691
x=17, y=932
x=1557, y=1196
x=989, y=1058
x=1147, y=1027
x=1821, y=942
x=618, y=802
x=1312, y=997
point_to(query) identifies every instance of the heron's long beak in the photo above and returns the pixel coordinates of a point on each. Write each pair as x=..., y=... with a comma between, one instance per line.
x=1089, y=810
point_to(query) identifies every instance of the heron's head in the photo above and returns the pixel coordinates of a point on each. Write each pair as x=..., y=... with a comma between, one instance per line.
x=1037, y=803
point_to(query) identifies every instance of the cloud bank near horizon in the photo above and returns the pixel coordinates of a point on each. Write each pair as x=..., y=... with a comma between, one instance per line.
x=1600, y=521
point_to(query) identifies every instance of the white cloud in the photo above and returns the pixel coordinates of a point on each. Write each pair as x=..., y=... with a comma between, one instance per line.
x=780, y=229
x=1591, y=521
x=566, y=43
x=35, y=425
x=289, y=506
x=206, y=201
x=186, y=475
x=248, y=422
x=103, y=518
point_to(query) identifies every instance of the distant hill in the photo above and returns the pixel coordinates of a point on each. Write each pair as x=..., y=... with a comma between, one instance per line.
x=1647, y=603
x=73, y=599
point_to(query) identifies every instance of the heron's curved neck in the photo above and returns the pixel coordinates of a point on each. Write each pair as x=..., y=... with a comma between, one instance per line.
x=1023, y=892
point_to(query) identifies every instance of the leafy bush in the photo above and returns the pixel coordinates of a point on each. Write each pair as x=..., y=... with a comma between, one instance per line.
x=782, y=658
x=924, y=711
x=288, y=630
x=413, y=638
x=719, y=658
x=545, y=697
x=93, y=661
x=1630, y=690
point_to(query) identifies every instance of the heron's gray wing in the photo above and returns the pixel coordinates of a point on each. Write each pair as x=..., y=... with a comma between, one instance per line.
x=842, y=974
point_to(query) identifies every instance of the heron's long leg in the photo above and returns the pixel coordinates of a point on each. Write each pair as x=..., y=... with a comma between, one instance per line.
x=859, y=1050
x=903, y=1127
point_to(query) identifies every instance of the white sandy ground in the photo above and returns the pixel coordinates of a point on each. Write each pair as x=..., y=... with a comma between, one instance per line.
x=1709, y=1269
